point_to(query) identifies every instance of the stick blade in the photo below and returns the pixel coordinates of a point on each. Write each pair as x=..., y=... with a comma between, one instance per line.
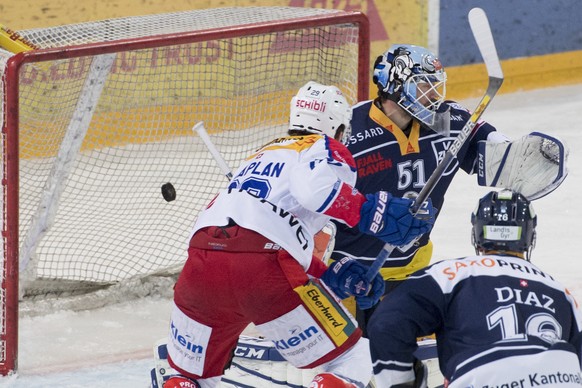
x=484, y=38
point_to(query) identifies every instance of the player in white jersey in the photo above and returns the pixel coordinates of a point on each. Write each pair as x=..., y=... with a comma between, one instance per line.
x=500, y=321
x=250, y=257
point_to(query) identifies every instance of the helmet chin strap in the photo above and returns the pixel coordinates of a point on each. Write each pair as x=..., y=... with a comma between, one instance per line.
x=392, y=96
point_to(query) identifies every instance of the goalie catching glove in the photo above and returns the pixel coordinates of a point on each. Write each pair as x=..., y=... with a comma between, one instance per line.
x=391, y=220
x=347, y=277
x=534, y=165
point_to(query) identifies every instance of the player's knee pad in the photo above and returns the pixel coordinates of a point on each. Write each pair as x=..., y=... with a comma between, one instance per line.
x=329, y=380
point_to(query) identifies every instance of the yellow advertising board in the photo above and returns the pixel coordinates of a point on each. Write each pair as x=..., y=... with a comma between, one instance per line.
x=391, y=21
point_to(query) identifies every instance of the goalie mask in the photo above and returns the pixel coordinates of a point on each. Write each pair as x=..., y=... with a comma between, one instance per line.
x=320, y=109
x=504, y=221
x=414, y=78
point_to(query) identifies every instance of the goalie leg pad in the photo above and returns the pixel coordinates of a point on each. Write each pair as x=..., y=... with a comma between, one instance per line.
x=256, y=363
x=534, y=165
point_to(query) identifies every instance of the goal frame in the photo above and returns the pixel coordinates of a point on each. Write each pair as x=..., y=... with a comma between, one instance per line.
x=10, y=130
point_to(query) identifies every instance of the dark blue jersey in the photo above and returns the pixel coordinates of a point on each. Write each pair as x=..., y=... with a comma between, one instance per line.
x=482, y=309
x=401, y=162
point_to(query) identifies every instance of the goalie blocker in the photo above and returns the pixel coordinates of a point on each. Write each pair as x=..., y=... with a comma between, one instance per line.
x=534, y=165
x=257, y=363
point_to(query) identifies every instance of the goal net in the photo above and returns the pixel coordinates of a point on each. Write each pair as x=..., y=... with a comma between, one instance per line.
x=98, y=118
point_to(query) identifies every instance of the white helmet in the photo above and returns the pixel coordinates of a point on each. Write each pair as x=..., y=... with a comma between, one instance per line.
x=319, y=109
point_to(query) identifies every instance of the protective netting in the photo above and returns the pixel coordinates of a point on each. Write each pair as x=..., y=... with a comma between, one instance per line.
x=92, y=161
x=170, y=23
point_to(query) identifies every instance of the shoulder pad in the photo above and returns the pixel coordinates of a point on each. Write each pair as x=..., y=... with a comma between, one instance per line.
x=456, y=106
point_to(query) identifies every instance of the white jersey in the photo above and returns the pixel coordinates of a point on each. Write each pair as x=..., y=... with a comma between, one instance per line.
x=287, y=191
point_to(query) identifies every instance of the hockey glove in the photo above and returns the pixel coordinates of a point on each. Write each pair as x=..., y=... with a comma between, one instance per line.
x=390, y=218
x=347, y=277
x=376, y=291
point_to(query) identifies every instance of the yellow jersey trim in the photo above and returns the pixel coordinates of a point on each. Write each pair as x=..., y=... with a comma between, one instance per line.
x=408, y=144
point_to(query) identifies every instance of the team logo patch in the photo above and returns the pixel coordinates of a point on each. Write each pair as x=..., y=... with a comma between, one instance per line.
x=440, y=148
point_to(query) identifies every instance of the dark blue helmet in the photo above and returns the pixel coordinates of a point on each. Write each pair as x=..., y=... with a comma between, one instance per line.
x=504, y=221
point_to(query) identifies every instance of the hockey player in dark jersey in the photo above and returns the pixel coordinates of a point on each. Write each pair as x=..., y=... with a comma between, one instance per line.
x=399, y=138
x=500, y=321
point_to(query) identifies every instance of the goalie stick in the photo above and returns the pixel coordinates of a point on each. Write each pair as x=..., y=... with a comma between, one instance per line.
x=484, y=39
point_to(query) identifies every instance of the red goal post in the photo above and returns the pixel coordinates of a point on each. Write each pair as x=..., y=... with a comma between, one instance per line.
x=98, y=118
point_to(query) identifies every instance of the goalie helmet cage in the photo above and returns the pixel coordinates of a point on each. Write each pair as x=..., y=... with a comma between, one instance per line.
x=101, y=116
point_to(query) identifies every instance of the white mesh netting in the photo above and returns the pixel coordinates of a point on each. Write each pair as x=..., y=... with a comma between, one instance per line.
x=92, y=160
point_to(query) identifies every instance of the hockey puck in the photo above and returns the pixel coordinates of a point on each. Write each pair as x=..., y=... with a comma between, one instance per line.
x=168, y=192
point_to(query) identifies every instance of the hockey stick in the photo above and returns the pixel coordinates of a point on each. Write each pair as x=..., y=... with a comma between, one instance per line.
x=484, y=39
x=12, y=41
x=320, y=239
x=201, y=130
